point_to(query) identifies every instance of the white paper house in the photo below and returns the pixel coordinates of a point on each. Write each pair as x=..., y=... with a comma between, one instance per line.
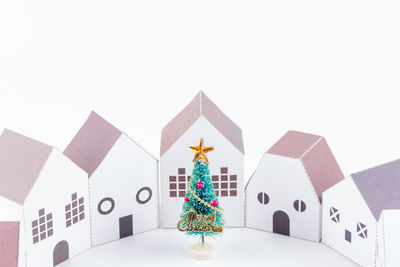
x=284, y=194
x=388, y=239
x=351, y=210
x=48, y=195
x=201, y=118
x=123, y=180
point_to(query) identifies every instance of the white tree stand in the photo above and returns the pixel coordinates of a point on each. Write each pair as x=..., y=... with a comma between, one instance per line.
x=202, y=250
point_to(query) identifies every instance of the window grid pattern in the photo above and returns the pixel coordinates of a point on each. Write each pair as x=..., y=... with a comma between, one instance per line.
x=334, y=215
x=362, y=230
x=74, y=211
x=42, y=227
x=178, y=183
x=225, y=184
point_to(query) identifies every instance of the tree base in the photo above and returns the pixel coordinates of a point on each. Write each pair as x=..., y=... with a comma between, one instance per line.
x=200, y=251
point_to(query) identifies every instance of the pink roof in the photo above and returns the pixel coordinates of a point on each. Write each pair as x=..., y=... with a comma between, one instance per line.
x=21, y=160
x=9, y=240
x=201, y=105
x=316, y=156
x=92, y=143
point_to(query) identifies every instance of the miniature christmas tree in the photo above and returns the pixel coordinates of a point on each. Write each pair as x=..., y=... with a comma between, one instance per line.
x=201, y=214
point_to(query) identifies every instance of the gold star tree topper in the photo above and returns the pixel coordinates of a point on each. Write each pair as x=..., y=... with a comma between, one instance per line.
x=201, y=151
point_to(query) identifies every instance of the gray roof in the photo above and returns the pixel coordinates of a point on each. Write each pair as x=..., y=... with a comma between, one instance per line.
x=201, y=105
x=21, y=160
x=380, y=187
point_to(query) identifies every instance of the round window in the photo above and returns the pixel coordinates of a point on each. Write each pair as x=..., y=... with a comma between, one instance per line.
x=263, y=198
x=106, y=206
x=299, y=205
x=144, y=195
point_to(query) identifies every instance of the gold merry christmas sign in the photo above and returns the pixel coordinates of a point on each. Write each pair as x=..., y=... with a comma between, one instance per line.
x=194, y=222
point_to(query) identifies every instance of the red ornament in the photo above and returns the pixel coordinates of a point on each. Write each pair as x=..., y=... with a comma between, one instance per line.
x=215, y=203
x=200, y=185
x=186, y=199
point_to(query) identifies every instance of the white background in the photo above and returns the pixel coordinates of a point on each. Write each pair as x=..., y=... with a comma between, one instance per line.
x=325, y=67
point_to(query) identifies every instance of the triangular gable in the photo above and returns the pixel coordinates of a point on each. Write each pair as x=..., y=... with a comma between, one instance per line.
x=92, y=143
x=316, y=156
x=21, y=160
x=380, y=187
x=201, y=105
x=9, y=242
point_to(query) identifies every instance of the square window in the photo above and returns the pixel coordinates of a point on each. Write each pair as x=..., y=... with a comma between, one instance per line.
x=74, y=204
x=81, y=208
x=182, y=186
x=233, y=193
x=188, y=178
x=172, y=186
x=224, y=193
x=182, y=178
x=49, y=216
x=34, y=223
x=172, y=178
x=41, y=212
x=224, y=177
x=216, y=185
x=81, y=201
x=68, y=207
x=347, y=236
x=233, y=185
x=75, y=220
x=215, y=178
x=68, y=223
x=50, y=224
x=35, y=239
x=68, y=215
x=43, y=236
x=42, y=219
x=81, y=216
x=42, y=228
x=50, y=232
x=217, y=193
x=172, y=194
x=182, y=193
x=224, y=170
x=233, y=177
x=74, y=196
x=224, y=185
x=35, y=231
x=181, y=170
x=74, y=212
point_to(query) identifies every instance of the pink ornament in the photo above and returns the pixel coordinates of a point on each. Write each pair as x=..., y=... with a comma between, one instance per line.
x=215, y=203
x=200, y=185
x=186, y=199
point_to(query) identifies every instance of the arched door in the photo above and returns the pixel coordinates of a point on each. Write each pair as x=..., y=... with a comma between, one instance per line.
x=60, y=252
x=281, y=223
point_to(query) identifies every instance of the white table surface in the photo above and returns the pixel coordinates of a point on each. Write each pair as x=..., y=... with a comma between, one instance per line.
x=237, y=247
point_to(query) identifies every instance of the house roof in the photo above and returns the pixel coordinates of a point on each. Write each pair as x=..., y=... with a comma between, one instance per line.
x=316, y=156
x=380, y=187
x=92, y=143
x=9, y=233
x=201, y=105
x=21, y=160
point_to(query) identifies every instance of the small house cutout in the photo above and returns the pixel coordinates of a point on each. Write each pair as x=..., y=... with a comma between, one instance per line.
x=285, y=192
x=36, y=182
x=352, y=208
x=123, y=180
x=201, y=118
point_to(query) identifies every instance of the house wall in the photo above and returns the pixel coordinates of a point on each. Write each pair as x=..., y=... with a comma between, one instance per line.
x=125, y=170
x=352, y=208
x=380, y=244
x=180, y=156
x=58, y=180
x=284, y=180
